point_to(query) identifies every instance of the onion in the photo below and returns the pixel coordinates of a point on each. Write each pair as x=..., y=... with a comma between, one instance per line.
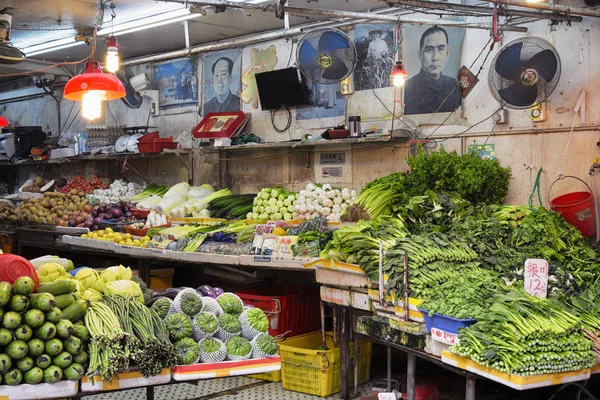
x=128, y=214
x=117, y=213
x=80, y=219
x=60, y=222
x=72, y=223
x=89, y=223
x=101, y=209
x=88, y=208
x=97, y=220
x=94, y=214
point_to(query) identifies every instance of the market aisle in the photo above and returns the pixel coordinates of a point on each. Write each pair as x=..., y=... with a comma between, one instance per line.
x=221, y=389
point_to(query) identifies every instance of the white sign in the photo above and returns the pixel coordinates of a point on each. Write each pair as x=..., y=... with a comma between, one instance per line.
x=386, y=396
x=444, y=337
x=536, y=277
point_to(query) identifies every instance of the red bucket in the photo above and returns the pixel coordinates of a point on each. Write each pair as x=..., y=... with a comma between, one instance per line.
x=577, y=208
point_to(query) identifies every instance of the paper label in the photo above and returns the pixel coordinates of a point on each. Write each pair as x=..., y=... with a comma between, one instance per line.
x=386, y=396
x=334, y=172
x=536, y=277
x=444, y=337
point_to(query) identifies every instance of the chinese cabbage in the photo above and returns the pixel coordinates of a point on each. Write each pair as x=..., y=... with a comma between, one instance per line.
x=168, y=203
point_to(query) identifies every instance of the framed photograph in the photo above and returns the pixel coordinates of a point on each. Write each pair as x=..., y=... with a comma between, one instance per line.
x=177, y=83
x=222, y=81
x=220, y=125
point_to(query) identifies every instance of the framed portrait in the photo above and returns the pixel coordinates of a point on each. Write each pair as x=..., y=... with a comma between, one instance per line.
x=431, y=55
x=375, y=45
x=177, y=83
x=222, y=81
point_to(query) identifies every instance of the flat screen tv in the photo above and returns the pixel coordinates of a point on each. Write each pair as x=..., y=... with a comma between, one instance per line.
x=281, y=88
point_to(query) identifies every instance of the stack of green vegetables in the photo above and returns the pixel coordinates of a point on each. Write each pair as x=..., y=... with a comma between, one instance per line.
x=274, y=203
x=235, y=206
x=41, y=342
x=359, y=243
x=524, y=335
x=208, y=331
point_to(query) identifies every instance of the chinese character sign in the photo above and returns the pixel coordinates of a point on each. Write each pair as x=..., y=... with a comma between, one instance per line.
x=536, y=277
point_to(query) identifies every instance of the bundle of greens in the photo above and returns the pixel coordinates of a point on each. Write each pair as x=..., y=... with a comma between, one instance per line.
x=359, y=244
x=146, y=335
x=465, y=295
x=235, y=206
x=524, y=335
x=472, y=178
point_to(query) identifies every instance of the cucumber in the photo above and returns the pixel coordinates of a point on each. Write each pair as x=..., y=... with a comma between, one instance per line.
x=64, y=300
x=57, y=288
x=42, y=301
x=75, y=311
x=5, y=292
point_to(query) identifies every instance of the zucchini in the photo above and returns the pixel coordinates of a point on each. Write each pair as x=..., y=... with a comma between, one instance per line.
x=75, y=311
x=64, y=300
x=42, y=301
x=57, y=288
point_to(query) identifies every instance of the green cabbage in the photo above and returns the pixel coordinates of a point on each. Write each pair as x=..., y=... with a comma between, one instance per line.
x=87, y=277
x=125, y=289
x=92, y=295
x=50, y=272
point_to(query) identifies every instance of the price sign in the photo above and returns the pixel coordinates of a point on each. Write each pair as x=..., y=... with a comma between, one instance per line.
x=444, y=337
x=536, y=277
x=386, y=396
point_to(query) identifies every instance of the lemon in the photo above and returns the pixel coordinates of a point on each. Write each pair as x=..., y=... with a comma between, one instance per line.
x=127, y=236
x=122, y=242
x=118, y=237
x=145, y=239
x=109, y=230
x=100, y=232
x=110, y=235
x=85, y=236
x=136, y=241
x=95, y=235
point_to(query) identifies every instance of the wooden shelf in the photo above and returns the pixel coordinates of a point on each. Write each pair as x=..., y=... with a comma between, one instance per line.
x=99, y=157
x=315, y=143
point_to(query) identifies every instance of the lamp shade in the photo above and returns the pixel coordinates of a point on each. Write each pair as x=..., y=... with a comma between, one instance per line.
x=399, y=74
x=3, y=122
x=108, y=87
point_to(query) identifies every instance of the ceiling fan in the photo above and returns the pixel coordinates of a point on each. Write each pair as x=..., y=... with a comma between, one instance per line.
x=9, y=54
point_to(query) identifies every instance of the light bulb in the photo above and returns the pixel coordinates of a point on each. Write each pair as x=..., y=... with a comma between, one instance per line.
x=399, y=80
x=112, y=61
x=92, y=105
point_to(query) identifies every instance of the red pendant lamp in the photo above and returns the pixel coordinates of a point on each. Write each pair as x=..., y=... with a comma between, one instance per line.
x=92, y=87
x=3, y=122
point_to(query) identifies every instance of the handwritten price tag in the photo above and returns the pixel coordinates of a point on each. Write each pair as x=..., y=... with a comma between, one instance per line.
x=386, y=396
x=536, y=277
x=444, y=337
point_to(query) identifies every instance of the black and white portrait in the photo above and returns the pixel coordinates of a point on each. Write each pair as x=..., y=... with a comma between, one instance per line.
x=375, y=45
x=222, y=81
x=431, y=55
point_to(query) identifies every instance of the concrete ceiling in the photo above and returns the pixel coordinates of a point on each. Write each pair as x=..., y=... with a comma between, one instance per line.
x=39, y=21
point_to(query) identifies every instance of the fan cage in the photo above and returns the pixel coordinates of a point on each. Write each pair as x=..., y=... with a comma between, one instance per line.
x=349, y=55
x=531, y=47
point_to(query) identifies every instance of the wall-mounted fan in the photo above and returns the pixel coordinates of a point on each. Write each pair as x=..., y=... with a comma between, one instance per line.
x=326, y=56
x=524, y=73
x=132, y=99
x=9, y=54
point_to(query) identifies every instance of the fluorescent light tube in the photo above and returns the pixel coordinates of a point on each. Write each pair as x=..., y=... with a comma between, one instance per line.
x=51, y=46
x=153, y=21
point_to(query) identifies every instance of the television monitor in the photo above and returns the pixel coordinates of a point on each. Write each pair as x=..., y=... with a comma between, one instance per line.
x=281, y=88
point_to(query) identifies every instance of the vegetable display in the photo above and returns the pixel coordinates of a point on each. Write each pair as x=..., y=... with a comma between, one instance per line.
x=274, y=203
x=325, y=201
x=37, y=349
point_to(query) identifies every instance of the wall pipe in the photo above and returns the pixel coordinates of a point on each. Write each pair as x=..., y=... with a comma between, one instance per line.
x=436, y=5
x=245, y=40
x=586, y=12
x=532, y=131
x=347, y=14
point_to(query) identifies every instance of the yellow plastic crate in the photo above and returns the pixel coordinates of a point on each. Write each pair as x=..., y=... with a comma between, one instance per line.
x=274, y=376
x=306, y=369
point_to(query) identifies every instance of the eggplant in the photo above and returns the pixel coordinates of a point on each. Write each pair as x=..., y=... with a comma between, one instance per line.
x=207, y=291
x=218, y=291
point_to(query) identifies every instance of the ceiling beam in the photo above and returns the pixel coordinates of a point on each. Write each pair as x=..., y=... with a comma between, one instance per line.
x=436, y=5
x=586, y=12
x=223, y=4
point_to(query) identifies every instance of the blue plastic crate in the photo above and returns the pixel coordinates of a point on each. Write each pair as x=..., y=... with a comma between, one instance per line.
x=445, y=323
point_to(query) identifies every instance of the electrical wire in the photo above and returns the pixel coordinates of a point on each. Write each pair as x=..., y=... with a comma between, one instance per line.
x=469, y=128
x=289, y=119
x=581, y=390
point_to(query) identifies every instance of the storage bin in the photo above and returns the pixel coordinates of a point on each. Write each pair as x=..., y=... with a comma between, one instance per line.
x=445, y=323
x=274, y=376
x=292, y=310
x=306, y=369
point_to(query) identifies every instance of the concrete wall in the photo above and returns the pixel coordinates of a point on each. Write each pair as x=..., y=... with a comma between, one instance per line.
x=521, y=144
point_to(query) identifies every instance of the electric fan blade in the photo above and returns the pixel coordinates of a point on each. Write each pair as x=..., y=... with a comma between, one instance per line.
x=331, y=41
x=509, y=63
x=519, y=95
x=308, y=56
x=10, y=54
x=545, y=63
x=337, y=70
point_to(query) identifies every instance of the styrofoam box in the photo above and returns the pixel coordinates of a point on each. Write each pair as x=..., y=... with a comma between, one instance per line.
x=25, y=391
x=226, y=368
x=126, y=380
